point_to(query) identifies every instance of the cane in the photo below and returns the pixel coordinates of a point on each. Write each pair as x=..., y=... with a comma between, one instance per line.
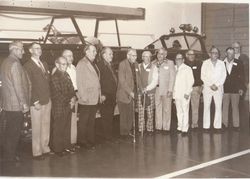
x=134, y=122
x=143, y=110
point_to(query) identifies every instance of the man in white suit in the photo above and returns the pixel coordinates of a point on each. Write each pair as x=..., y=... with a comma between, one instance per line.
x=89, y=94
x=182, y=92
x=213, y=75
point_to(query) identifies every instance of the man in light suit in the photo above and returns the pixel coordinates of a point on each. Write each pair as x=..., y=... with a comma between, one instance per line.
x=182, y=92
x=15, y=99
x=213, y=75
x=89, y=94
x=40, y=109
x=164, y=91
x=126, y=91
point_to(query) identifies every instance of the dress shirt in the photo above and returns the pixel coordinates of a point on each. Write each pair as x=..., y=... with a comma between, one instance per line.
x=71, y=70
x=213, y=74
x=229, y=65
x=155, y=75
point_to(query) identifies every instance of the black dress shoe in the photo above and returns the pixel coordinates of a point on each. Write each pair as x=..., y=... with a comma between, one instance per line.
x=184, y=134
x=61, y=154
x=70, y=151
x=39, y=157
x=49, y=153
x=236, y=129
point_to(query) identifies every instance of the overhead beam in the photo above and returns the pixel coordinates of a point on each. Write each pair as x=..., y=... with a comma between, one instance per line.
x=52, y=8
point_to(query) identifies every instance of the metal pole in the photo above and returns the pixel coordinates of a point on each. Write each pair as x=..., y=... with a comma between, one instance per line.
x=117, y=32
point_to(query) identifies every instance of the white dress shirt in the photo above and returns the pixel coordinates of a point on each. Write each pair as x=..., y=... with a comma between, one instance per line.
x=213, y=74
x=154, y=81
x=71, y=70
x=184, y=81
x=229, y=65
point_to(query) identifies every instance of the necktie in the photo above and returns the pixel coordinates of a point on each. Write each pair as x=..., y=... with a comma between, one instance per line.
x=113, y=74
x=41, y=66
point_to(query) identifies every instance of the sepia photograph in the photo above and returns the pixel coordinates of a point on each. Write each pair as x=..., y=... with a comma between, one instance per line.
x=124, y=89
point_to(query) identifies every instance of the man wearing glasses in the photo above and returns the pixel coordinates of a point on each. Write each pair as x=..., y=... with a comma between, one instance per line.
x=213, y=75
x=197, y=86
x=63, y=100
x=40, y=109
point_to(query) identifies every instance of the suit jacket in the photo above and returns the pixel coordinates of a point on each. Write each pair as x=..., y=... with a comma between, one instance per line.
x=235, y=80
x=40, y=89
x=62, y=91
x=15, y=85
x=125, y=81
x=88, y=84
x=166, y=76
x=108, y=82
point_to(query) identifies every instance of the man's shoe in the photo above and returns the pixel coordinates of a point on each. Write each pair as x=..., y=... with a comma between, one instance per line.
x=61, y=154
x=39, y=157
x=236, y=129
x=70, y=151
x=49, y=153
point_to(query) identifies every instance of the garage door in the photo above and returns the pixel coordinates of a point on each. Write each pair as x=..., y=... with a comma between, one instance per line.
x=224, y=24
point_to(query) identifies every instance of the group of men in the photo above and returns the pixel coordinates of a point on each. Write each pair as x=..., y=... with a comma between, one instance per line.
x=55, y=98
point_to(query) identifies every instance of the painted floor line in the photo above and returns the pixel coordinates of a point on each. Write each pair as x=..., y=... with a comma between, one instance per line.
x=205, y=164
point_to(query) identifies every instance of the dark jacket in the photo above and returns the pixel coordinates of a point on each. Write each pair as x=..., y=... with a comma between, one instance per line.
x=40, y=90
x=235, y=80
x=62, y=91
x=108, y=82
x=15, y=85
x=196, y=68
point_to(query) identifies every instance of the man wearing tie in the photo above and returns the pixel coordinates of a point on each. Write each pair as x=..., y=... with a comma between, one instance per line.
x=108, y=82
x=40, y=109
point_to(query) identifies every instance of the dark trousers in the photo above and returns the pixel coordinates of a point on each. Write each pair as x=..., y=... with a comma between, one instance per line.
x=107, y=114
x=126, y=117
x=61, y=131
x=12, y=133
x=86, y=123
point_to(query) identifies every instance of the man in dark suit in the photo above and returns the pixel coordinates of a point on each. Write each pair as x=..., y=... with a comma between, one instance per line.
x=40, y=102
x=108, y=82
x=63, y=100
x=126, y=91
x=15, y=98
x=89, y=95
x=233, y=87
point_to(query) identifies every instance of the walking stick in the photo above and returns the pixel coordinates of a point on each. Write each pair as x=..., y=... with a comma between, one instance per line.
x=134, y=122
x=143, y=109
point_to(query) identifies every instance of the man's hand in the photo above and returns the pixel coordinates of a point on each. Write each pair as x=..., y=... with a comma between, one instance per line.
x=132, y=94
x=214, y=87
x=186, y=96
x=37, y=106
x=25, y=108
x=241, y=92
x=102, y=98
x=169, y=94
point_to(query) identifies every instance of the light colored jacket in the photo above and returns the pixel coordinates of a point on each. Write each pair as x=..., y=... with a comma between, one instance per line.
x=184, y=81
x=211, y=74
x=16, y=86
x=166, y=77
x=88, y=83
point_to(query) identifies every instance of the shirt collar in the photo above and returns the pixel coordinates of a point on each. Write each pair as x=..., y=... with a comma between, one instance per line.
x=228, y=61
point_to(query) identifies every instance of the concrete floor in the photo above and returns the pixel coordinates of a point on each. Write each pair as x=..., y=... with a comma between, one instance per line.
x=151, y=156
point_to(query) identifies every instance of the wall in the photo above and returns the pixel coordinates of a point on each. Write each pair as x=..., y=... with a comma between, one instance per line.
x=160, y=17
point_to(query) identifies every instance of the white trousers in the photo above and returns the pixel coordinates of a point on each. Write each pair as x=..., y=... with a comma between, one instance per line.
x=40, y=123
x=217, y=96
x=182, y=107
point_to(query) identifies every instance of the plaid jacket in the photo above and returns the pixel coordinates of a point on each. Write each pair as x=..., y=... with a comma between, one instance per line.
x=62, y=91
